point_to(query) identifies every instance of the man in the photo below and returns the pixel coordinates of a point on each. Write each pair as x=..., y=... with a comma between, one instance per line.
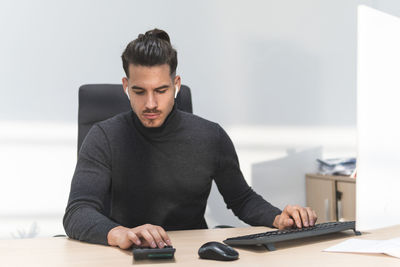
x=155, y=164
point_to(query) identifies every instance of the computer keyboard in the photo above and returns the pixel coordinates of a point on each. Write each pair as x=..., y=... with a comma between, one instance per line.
x=268, y=239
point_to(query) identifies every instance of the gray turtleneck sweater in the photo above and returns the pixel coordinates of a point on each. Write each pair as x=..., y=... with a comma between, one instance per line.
x=131, y=175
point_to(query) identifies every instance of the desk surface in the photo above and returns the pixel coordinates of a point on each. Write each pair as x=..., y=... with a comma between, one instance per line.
x=62, y=251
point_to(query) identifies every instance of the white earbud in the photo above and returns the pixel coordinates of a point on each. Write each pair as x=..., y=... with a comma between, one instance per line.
x=127, y=94
x=176, y=91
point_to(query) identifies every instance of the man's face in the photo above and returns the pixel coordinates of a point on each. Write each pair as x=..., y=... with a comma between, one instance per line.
x=151, y=91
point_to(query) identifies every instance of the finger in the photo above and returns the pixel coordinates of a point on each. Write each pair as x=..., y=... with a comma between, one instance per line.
x=285, y=221
x=145, y=244
x=288, y=223
x=296, y=217
x=304, y=217
x=157, y=237
x=315, y=217
x=134, y=238
x=164, y=236
x=282, y=220
x=125, y=242
x=310, y=216
x=148, y=237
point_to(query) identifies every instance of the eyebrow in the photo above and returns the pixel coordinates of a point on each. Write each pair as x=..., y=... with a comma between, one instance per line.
x=141, y=88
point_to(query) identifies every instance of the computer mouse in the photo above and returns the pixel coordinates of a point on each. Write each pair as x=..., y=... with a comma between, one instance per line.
x=217, y=251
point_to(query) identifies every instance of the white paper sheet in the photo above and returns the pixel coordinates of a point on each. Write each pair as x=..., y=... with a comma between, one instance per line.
x=389, y=247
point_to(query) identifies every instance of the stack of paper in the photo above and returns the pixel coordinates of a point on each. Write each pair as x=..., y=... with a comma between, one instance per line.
x=389, y=247
x=339, y=166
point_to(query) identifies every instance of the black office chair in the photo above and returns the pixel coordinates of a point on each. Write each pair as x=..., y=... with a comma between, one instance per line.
x=98, y=102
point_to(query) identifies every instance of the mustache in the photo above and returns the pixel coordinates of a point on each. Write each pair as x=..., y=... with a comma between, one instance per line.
x=153, y=111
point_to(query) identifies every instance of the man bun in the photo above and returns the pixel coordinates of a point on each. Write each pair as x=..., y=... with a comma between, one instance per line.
x=157, y=33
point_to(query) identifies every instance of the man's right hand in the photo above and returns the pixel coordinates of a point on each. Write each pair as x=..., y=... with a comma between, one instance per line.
x=146, y=235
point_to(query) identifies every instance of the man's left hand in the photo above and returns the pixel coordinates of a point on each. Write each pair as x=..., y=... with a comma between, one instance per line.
x=295, y=216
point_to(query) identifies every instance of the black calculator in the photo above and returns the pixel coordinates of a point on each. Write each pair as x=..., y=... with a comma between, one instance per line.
x=139, y=253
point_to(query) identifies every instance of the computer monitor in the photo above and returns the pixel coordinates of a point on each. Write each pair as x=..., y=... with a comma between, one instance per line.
x=378, y=110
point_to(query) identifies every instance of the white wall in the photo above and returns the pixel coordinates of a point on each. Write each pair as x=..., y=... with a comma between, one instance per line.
x=266, y=68
x=265, y=62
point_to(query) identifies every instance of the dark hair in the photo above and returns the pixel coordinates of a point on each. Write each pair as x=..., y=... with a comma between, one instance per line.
x=150, y=49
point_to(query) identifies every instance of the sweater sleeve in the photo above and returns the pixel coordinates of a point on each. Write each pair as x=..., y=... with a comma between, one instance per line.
x=244, y=202
x=84, y=217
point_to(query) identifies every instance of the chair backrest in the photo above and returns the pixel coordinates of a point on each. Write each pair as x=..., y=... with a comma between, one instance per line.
x=98, y=102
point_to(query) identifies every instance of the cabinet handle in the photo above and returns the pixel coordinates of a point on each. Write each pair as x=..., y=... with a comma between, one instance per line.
x=327, y=210
x=339, y=196
x=340, y=211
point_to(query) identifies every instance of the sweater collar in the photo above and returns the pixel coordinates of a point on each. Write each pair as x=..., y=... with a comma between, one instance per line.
x=170, y=125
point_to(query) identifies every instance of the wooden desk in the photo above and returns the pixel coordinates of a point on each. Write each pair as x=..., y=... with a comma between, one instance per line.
x=307, y=252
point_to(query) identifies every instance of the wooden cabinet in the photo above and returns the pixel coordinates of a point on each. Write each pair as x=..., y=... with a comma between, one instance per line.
x=332, y=197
